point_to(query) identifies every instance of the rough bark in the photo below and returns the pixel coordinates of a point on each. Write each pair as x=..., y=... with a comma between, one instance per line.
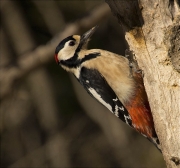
x=152, y=30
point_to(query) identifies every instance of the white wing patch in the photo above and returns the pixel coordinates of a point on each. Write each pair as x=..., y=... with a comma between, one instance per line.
x=99, y=98
x=127, y=118
x=117, y=108
x=87, y=81
x=116, y=99
x=116, y=111
x=121, y=108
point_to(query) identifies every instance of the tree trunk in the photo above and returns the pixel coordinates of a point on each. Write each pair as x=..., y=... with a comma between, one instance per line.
x=152, y=30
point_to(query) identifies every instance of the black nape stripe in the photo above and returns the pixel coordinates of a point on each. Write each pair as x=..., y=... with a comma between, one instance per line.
x=89, y=57
x=74, y=62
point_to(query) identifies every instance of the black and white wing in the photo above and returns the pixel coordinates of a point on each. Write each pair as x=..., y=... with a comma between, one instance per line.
x=97, y=87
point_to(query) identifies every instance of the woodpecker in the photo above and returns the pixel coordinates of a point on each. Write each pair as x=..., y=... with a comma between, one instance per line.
x=108, y=78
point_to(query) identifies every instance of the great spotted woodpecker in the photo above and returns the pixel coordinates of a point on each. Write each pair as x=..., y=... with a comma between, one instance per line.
x=108, y=78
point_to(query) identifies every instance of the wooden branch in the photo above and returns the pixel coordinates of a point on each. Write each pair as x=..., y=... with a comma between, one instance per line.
x=44, y=54
x=150, y=27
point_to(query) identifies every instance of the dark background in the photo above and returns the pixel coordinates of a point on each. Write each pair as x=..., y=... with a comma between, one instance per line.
x=47, y=119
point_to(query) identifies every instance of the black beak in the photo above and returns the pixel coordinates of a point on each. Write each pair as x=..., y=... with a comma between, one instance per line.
x=86, y=36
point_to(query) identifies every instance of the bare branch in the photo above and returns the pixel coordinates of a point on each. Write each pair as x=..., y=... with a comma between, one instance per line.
x=43, y=54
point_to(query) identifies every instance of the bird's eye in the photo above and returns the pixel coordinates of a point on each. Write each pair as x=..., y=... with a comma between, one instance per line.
x=71, y=43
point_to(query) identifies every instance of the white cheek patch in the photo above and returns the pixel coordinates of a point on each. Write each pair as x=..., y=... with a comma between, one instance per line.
x=98, y=97
x=67, y=52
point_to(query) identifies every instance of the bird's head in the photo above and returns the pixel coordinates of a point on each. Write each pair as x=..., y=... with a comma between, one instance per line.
x=71, y=45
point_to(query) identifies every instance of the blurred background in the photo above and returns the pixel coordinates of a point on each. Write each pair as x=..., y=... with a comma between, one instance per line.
x=46, y=117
